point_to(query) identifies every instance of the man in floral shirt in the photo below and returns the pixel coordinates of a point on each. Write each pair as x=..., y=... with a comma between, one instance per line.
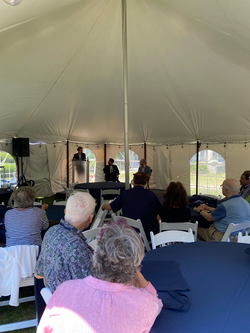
x=65, y=254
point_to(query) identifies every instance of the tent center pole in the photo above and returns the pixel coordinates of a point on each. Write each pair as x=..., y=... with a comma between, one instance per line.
x=125, y=90
x=198, y=144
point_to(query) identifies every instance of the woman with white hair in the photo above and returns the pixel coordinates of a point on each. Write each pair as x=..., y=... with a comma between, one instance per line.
x=24, y=223
x=115, y=298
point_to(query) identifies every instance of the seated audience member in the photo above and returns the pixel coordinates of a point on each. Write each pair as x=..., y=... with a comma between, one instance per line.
x=24, y=223
x=234, y=210
x=174, y=207
x=114, y=298
x=245, y=186
x=145, y=168
x=138, y=203
x=111, y=171
x=65, y=254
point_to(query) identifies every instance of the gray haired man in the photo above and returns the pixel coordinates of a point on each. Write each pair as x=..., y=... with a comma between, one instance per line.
x=65, y=254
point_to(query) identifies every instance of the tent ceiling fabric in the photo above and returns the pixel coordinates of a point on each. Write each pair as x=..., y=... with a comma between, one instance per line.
x=188, y=71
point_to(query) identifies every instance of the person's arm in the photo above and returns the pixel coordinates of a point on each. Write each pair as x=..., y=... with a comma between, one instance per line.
x=204, y=207
x=106, y=206
x=140, y=281
x=44, y=207
x=38, y=276
x=206, y=215
x=44, y=218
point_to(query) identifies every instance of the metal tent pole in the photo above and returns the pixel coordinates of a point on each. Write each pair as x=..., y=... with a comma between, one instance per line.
x=125, y=90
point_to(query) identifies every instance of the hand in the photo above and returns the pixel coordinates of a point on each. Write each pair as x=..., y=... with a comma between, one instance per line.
x=44, y=207
x=201, y=207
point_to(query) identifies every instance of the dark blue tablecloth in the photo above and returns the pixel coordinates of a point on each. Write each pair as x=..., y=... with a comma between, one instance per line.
x=218, y=275
x=95, y=189
x=5, y=195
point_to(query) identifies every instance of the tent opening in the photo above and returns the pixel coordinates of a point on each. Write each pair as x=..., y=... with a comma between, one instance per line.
x=134, y=163
x=211, y=172
x=8, y=169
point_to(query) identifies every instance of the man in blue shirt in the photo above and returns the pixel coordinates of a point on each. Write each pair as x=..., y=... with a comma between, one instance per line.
x=234, y=210
x=138, y=203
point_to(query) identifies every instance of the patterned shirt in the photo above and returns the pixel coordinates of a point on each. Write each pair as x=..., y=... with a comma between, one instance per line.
x=65, y=255
x=24, y=227
x=245, y=191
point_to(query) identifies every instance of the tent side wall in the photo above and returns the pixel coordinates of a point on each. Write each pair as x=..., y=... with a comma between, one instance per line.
x=47, y=163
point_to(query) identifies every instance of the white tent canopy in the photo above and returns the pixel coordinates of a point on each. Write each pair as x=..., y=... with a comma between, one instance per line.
x=188, y=72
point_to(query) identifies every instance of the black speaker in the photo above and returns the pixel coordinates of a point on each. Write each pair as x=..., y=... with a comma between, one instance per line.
x=21, y=147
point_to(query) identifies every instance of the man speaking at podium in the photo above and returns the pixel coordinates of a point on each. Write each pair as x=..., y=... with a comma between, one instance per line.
x=79, y=156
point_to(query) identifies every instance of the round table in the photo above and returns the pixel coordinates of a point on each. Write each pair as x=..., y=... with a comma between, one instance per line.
x=218, y=275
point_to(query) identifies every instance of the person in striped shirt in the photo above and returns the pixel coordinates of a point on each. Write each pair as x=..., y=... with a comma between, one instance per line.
x=24, y=223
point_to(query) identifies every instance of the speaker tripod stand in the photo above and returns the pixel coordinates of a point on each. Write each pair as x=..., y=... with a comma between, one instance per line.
x=22, y=180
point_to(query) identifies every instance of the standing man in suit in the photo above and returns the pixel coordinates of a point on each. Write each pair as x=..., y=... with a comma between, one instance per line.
x=146, y=169
x=79, y=156
x=111, y=171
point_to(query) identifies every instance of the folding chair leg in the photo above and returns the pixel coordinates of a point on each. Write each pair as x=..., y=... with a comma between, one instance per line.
x=18, y=325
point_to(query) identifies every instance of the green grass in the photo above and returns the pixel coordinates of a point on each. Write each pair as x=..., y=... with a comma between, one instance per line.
x=208, y=183
x=25, y=311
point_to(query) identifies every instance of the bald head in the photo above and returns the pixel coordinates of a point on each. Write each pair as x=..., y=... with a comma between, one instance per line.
x=232, y=186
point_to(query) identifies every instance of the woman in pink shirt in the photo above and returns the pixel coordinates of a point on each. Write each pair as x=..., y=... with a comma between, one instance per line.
x=116, y=298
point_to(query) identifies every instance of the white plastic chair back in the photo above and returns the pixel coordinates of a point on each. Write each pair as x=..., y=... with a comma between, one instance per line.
x=38, y=203
x=67, y=192
x=135, y=224
x=243, y=239
x=81, y=190
x=46, y=294
x=59, y=203
x=171, y=236
x=234, y=228
x=90, y=236
x=184, y=226
x=114, y=193
x=99, y=219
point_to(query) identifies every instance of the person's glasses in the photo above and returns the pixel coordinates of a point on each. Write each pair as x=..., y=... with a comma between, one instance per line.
x=221, y=185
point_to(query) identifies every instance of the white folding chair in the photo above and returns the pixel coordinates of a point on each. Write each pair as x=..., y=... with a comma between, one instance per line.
x=17, y=265
x=90, y=236
x=59, y=203
x=99, y=219
x=67, y=192
x=46, y=294
x=234, y=228
x=171, y=236
x=81, y=190
x=243, y=239
x=104, y=193
x=38, y=203
x=184, y=226
x=135, y=224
